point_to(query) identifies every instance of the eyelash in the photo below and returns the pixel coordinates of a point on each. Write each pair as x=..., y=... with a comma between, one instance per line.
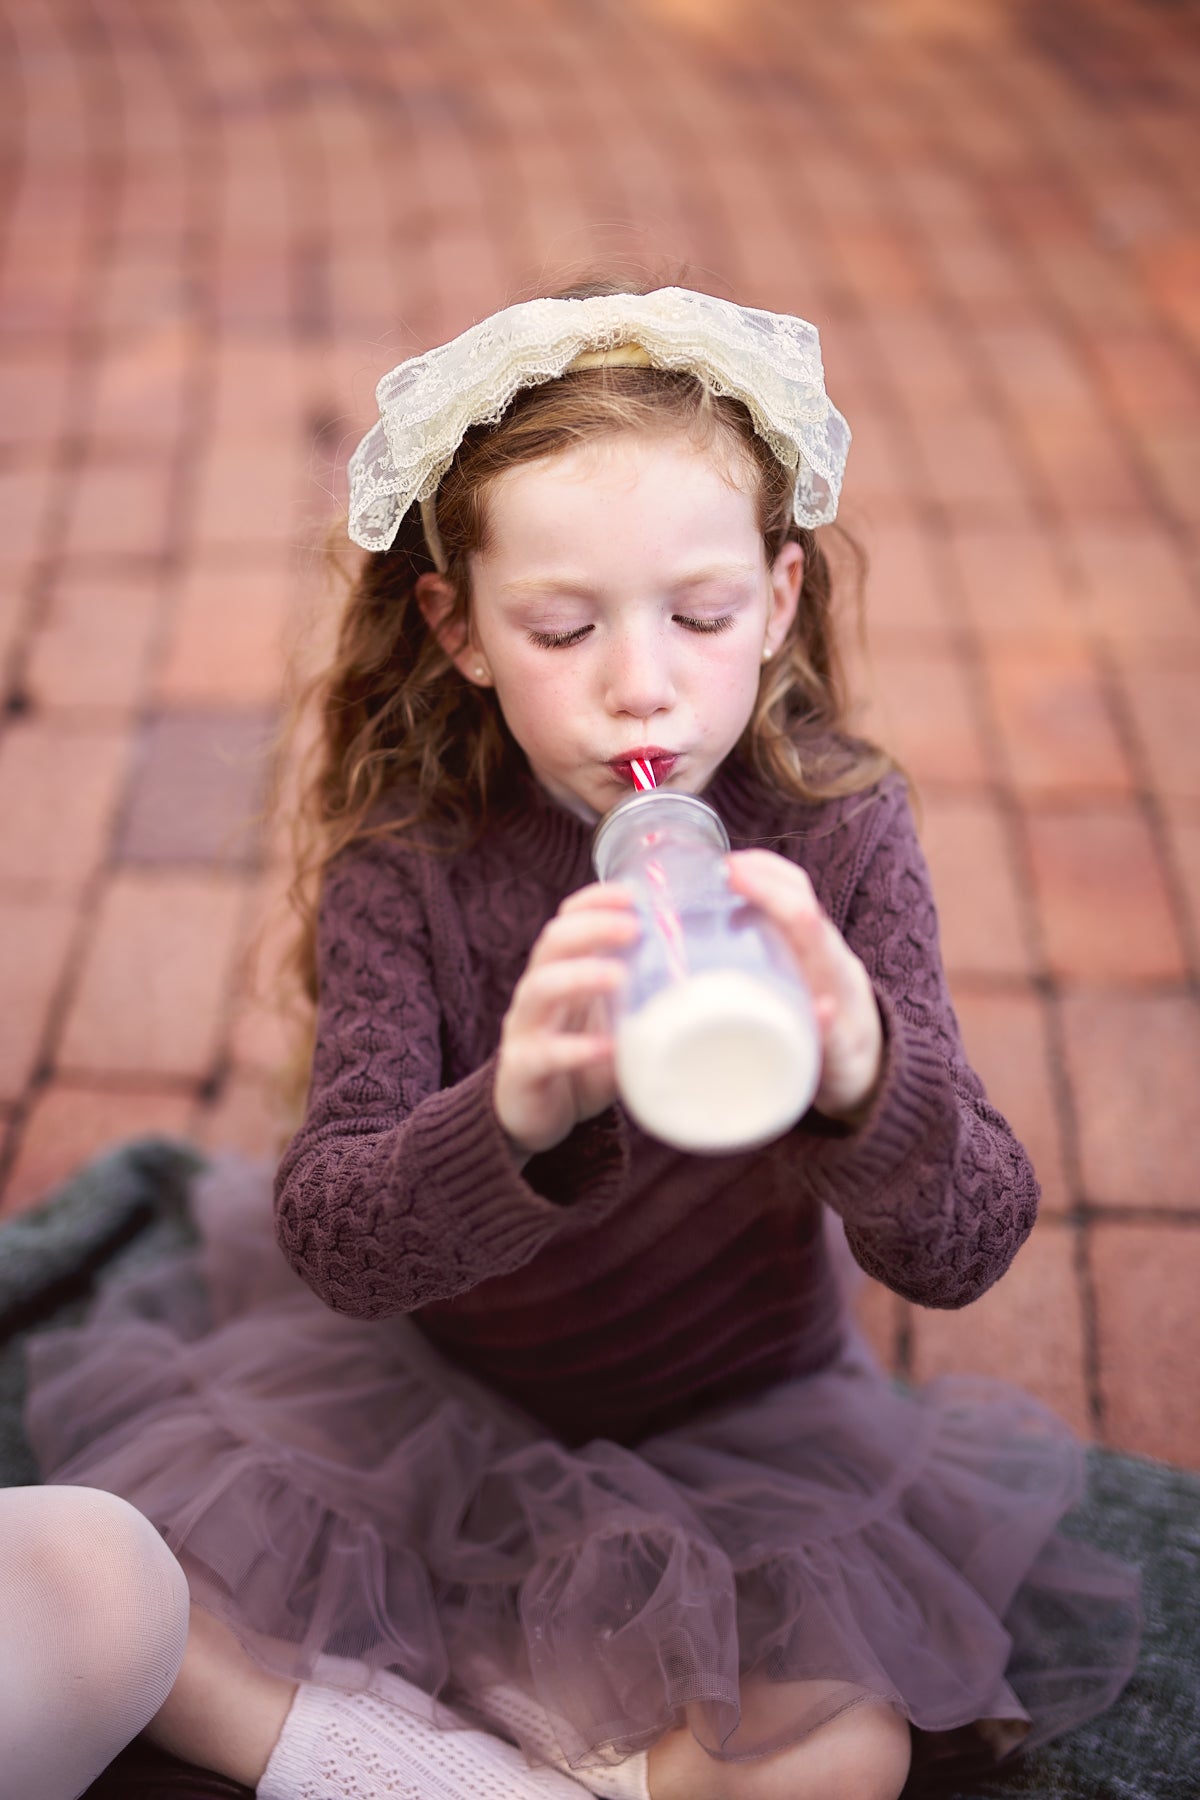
x=561, y=640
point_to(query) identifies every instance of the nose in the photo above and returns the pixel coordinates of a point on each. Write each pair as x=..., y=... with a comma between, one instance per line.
x=638, y=677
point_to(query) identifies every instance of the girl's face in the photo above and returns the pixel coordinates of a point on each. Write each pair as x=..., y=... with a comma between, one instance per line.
x=622, y=609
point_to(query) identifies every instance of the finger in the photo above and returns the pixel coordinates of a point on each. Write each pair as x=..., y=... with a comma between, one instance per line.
x=786, y=895
x=547, y=1058
x=545, y=992
x=584, y=933
x=764, y=876
x=599, y=894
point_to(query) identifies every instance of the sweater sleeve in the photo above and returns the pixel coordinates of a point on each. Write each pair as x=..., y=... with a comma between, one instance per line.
x=398, y=1191
x=936, y=1193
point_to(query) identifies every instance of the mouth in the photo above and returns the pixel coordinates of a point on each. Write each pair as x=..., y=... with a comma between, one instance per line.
x=660, y=761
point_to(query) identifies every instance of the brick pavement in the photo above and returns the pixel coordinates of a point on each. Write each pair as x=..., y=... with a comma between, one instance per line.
x=223, y=221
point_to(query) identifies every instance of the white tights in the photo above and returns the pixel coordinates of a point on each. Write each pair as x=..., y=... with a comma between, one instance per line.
x=93, y=1624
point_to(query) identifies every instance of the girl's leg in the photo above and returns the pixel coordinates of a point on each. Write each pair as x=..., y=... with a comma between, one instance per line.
x=861, y=1754
x=227, y=1714
x=93, y=1621
x=224, y=1711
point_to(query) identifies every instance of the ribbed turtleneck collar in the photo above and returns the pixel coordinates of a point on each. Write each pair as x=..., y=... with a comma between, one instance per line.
x=541, y=834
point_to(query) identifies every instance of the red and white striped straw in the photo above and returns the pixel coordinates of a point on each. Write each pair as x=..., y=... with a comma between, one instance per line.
x=642, y=775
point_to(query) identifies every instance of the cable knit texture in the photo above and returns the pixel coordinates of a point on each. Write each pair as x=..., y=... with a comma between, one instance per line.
x=613, y=1285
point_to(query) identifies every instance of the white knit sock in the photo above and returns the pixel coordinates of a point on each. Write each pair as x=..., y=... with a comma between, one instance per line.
x=514, y=1711
x=381, y=1743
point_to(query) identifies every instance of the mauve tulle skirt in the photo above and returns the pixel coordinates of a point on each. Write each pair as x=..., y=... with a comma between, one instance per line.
x=335, y=1486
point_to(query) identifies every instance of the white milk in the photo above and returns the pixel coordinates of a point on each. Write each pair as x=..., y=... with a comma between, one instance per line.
x=717, y=1062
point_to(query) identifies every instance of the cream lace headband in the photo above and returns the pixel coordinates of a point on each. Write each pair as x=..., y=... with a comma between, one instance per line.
x=771, y=362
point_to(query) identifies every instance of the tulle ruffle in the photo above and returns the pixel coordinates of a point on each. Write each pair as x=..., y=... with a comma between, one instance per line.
x=336, y=1487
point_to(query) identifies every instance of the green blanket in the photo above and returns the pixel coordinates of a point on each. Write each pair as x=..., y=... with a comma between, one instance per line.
x=131, y=1207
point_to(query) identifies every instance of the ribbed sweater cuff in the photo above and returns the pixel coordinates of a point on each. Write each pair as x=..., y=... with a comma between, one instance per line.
x=914, y=1113
x=459, y=1141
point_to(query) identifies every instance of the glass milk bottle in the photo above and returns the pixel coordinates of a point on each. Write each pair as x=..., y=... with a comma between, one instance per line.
x=716, y=1045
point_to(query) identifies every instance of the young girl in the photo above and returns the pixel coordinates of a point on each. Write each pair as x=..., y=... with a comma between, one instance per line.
x=562, y=1468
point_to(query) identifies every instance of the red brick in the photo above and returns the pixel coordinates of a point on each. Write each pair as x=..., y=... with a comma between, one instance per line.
x=904, y=586
x=197, y=790
x=927, y=363
x=879, y=470
x=27, y=496
x=1132, y=1062
x=975, y=886
x=1027, y=1329
x=1038, y=371
x=979, y=273
x=152, y=196
x=40, y=290
x=880, y=1315
x=1165, y=704
x=851, y=358
x=259, y=390
x=970, y=465
x=1054, y=718
x=1011, y=584
x=253, y=210
x=248, y=1116
x=1092, y=286
x=93, y=643
x=265, y=1036
x=365, y=301
x=151, y=996
x=69, y=1124
x=1171, y=270
x=923, y=708
x=941, y=197
x=1173, y=453
x=1008, y=1044
x=1087, y=473
x=146, y=284
x=34, y=397
x=228, y=634
x=876, y=264
x=246, y=496
x=58, y=795
x=252, y=289
x=1183, y=835
x=120, y=509
x=1101, y=895
x=1147, y=1278
x=35, y=940
x=1148, y=377
x=12, y=620
x=142, y=387
x=271, y=1025
x=1135, y=587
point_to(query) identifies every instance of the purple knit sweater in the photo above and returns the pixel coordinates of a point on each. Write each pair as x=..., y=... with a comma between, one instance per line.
x=614, y=1286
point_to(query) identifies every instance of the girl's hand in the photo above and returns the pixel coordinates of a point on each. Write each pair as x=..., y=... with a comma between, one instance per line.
x=555, y=1064
x=843, y=999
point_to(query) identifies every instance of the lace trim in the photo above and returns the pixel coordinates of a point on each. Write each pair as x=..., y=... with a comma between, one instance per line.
x=771, y=362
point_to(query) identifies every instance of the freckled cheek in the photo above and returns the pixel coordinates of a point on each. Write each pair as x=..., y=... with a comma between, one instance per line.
x=736, y=684
x=536, y=700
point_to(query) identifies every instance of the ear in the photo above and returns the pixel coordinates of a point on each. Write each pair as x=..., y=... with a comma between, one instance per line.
x=787, y=578
x=435, y=597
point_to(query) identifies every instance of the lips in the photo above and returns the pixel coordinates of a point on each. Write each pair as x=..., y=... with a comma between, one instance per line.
x=661, y=762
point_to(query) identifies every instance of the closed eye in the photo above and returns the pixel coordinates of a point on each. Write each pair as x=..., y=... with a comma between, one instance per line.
x=557, y=640
x=704, y=625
